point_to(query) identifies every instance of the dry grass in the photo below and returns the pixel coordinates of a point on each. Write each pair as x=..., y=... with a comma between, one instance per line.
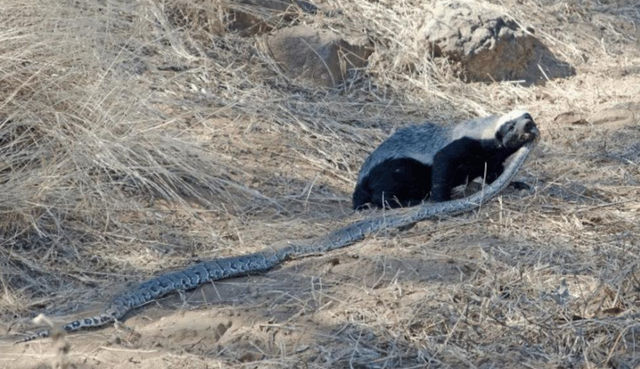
x=136, y=137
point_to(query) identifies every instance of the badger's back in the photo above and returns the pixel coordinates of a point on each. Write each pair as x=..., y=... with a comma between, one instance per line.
x=419, y=142
x=422, y=142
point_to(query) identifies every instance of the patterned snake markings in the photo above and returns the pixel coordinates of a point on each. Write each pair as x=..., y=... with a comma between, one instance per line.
x=271, y=257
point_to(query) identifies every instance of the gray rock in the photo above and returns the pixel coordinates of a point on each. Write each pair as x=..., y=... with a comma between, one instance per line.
x=486, y=45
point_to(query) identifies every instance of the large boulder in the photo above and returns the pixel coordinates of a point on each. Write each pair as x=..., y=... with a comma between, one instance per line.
x=319, y=56
x=485, y=45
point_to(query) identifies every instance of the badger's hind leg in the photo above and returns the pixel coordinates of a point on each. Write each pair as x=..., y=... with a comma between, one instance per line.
x=398, y=183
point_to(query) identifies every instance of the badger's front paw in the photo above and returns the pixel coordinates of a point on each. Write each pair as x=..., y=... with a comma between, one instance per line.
x=520, y=186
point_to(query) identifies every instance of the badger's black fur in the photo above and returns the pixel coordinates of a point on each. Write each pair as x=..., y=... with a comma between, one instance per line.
x=429, y=160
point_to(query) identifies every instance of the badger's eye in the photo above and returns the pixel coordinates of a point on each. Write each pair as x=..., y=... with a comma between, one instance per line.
x=511, y=126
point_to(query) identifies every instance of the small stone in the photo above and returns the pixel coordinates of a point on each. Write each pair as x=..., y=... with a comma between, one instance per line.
x=570, y=118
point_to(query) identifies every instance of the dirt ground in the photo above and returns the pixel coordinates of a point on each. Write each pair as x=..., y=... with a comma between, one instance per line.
x=155, y=141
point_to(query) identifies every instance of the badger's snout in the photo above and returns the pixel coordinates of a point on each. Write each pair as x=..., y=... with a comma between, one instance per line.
x=530, y=127
x=527, y=128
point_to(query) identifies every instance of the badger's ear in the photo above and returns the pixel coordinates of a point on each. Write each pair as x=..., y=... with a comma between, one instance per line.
x=499, y=137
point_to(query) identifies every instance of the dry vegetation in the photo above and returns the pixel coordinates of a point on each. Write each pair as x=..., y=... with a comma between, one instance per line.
x=136, y=137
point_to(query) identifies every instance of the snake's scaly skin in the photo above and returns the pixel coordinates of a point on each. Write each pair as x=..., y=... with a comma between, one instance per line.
x=270, y=257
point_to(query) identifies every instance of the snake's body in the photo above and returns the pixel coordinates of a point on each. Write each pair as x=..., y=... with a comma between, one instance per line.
x=271, y=257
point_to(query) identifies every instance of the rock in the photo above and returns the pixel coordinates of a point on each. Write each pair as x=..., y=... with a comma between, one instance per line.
x=253, y=17
x=320, y=56
x=570, y=118
x=625, y=114
x=486, y=45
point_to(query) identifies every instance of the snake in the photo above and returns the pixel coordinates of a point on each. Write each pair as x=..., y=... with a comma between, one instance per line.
x=273, y=256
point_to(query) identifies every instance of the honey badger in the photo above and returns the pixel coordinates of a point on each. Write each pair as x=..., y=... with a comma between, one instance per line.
x=429, y=160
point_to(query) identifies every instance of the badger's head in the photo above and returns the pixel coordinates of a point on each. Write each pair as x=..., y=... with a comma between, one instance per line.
x=515, y=129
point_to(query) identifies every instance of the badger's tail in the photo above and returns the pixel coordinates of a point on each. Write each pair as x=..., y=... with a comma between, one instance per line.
x=361, y=197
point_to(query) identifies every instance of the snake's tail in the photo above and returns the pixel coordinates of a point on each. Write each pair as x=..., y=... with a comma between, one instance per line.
x=89, y=322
